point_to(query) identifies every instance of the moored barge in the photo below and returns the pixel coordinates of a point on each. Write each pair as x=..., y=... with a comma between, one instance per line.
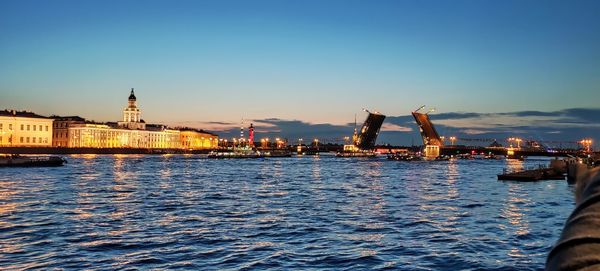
x=15, y=160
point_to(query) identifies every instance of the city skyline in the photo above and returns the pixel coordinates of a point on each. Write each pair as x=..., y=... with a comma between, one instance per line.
x=563, y=128
x=311, y=64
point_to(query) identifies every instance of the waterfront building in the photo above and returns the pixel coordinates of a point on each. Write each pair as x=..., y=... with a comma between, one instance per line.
x=193, y=139
x=95, y=135
x=132, y=115
x=131, y=132
x=24, y=129
x=60, y=134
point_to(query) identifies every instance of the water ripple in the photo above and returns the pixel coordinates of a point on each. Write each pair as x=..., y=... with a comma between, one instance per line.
x=129, y=212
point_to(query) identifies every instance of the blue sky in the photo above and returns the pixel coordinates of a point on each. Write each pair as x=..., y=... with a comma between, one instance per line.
x=307, y=61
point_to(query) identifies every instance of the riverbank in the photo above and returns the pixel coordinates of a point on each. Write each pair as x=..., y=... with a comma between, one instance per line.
x=59, y=150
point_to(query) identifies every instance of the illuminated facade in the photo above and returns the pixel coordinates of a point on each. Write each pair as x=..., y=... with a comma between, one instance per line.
x=196, y=139
x=132, y=115
x=60, y=133
x=131, y=132
x=90, y=135
x=24, y=129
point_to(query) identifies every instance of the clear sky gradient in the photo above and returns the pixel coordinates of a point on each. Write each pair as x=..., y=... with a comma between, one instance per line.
x=314, y=61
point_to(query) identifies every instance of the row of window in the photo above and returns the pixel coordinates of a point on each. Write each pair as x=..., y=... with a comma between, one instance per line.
x=60, y=124
x=28, y=127
x=34, y=127
x=33, y=140
x=60, y=134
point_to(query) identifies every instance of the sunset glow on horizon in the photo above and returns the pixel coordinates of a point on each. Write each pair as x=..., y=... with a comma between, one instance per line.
x=211, y=64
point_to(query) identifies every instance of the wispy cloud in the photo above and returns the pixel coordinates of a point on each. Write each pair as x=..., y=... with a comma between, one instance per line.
x=390, y=127
x=568, y=124
x=206, y=125
x=475, y=132
x=569, y=118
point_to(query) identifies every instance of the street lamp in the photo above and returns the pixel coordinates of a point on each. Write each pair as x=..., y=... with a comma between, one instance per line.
x=586, y=143
x=452, y=139
x=263, y=143
x=510, y=141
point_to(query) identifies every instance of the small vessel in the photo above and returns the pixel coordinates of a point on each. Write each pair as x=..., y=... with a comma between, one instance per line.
x=15, y=160
x=248, y=153
x=532, y=175
x=243, y=152
x=518, y=157
x=465, y=156
x=404, y=157
x=356, y=154
x=557, y=170
x=511, y=154
x=492, y=156
x=443, y=158
x=277, y=153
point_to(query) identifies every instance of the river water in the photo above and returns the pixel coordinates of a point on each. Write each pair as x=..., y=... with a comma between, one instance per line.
x=310, y=213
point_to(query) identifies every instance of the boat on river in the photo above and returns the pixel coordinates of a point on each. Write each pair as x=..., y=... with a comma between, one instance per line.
x=404, y=157
x=237, y=153
x=356, y=154
x=247, y=152
x=15, y=160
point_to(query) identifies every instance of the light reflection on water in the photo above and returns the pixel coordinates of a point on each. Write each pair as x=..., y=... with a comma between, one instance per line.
x=514, y=165
x=187, y=212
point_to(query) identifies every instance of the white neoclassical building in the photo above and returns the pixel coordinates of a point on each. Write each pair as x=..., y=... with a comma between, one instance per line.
x=24, y=129
x=132, y=115
x=130, y=132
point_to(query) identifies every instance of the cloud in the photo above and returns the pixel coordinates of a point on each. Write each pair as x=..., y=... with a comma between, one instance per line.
x=390, y=127
x=556, y=127
x=219, y=126
x=573, y=118
x=475, y=132
x=484, y=121
x=563, y=125
x=590, y=115
x=214, y=126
